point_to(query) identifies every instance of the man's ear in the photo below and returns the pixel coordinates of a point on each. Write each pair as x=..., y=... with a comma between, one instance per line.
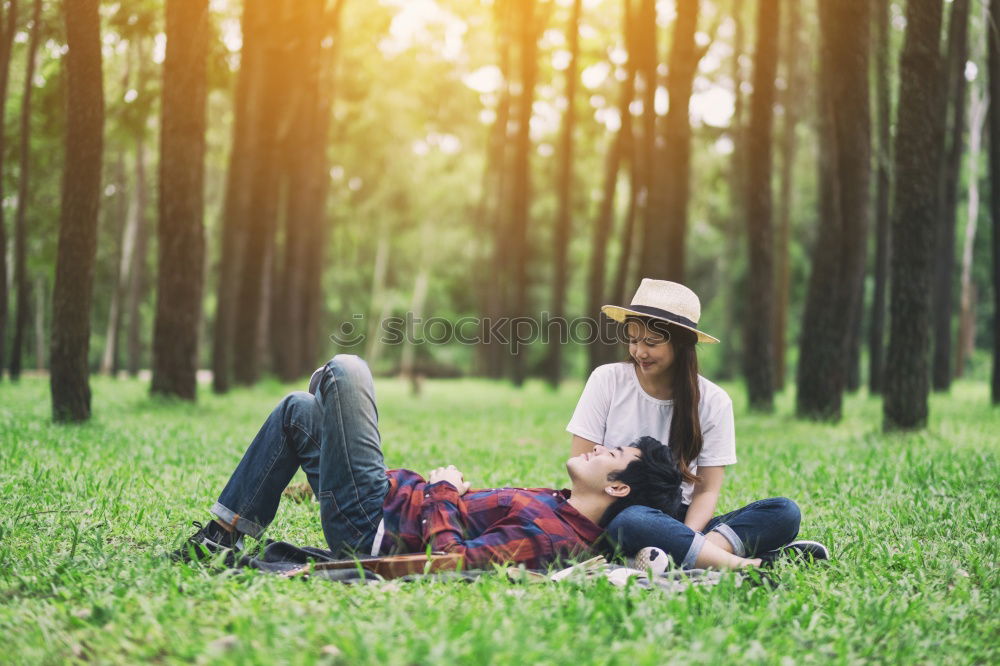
x=617, y=489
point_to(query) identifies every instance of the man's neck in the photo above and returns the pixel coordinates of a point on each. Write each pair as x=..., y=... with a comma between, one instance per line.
x=591, y=506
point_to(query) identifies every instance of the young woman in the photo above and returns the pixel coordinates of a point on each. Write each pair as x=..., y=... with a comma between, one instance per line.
x=658, y=392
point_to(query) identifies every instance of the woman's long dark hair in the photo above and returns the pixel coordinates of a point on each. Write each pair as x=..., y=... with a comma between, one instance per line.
x=685, y=425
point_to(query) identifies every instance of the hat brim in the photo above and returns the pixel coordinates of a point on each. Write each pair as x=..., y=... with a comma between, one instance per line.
x=619, y=313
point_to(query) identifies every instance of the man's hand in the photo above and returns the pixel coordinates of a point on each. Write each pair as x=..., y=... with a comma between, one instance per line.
x=452, y=476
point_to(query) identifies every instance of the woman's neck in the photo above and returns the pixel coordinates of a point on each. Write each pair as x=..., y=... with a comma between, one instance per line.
x=660, y=386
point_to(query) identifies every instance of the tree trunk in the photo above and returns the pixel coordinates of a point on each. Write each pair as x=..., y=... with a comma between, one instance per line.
x=182, y=173
x=653, y=260
x=646, y=162
x=759, y=360
x=71, y=297
x=306, y=138
x=966, y=321
x=381, y=298
x=531, y=28
x=316, y=196
x=564, y=193
x=913, y=223
x=496, y=182
x=832, y=308
x=682, y=65
x=236, y=205
x=137, y=272
x=602, y=347
x=270, y=74
x=23, y=289
x=994, y=133
x=281, y=309
x=268, y=292
x=732, y=276
x=794, y=87
x=8, y=26
x=627, y=264
x=247, y=106
x=852, y=382
x=407, y=365
x=599, y=351
x=126, y=242
x=40, y=309
x=316, y=212
x=883, y=186
x=951, y=164
x=663, y=255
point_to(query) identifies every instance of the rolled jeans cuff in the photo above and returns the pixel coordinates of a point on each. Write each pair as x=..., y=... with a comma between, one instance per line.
x=237, y=521
x=693, y=551
x=727, y=532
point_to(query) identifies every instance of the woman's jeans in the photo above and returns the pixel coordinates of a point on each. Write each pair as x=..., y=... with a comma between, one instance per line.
x=332, y=434
x=756, y=528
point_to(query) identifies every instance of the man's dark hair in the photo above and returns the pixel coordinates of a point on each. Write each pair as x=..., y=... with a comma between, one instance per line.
x=653, y=478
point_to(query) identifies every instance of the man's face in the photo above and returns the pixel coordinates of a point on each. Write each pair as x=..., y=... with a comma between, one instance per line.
x=589, y=471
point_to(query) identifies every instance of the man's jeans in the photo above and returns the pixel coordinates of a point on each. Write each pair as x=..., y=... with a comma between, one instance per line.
x=333, y=436
x=756, y=528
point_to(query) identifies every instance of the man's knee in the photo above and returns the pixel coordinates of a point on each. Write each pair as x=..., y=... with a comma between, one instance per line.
x=299, y=399
x=298, y=405
x=350, y=368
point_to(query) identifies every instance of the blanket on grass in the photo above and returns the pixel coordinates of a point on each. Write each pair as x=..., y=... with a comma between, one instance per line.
x=287, y=560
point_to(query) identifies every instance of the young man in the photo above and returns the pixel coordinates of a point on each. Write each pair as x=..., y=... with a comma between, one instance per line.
x=331, y=432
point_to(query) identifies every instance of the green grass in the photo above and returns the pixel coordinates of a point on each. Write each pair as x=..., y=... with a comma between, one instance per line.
x=85, y=513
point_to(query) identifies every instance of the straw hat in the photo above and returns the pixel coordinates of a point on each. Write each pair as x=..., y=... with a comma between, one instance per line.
x=660, y=299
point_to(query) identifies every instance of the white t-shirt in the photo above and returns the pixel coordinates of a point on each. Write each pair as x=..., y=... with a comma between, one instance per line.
x=614, y=410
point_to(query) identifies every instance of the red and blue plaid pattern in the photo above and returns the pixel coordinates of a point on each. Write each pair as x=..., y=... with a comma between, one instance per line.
x=533, y=526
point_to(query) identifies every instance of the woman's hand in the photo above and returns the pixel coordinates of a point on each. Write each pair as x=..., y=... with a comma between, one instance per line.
x=452, y=476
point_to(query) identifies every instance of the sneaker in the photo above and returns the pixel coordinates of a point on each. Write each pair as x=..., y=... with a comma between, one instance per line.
x=208, y=541
x=797, y=551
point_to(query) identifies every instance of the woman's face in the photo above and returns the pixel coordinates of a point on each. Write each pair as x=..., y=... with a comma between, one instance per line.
x=653, y=352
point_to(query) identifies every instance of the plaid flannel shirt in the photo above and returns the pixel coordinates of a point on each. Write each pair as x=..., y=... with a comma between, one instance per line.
x=533, y=526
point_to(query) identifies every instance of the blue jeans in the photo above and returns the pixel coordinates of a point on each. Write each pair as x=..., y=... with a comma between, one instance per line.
x=333, y=436
x=756, y=528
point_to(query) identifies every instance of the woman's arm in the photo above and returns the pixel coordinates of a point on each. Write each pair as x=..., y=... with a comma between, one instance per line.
x=704, y=497
x=590, y=418
x=581, y=445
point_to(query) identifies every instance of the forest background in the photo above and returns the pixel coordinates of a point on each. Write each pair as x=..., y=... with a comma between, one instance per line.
x=203, y=200
x=243, y=187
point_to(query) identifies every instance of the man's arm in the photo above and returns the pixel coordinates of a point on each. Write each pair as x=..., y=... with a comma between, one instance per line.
x=704, y=497
x=509, y=540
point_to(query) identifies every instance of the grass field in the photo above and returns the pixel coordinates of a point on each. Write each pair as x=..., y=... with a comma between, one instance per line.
x=86, y=512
